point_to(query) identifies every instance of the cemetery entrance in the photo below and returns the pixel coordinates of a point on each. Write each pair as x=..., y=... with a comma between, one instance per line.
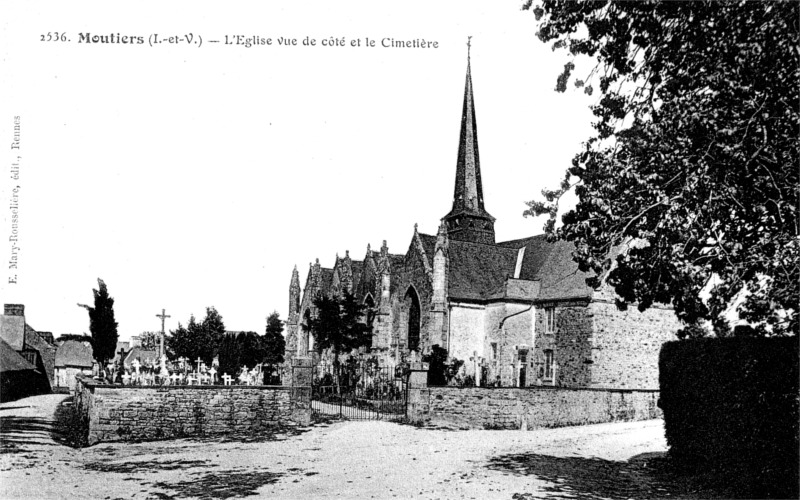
x=359, y=390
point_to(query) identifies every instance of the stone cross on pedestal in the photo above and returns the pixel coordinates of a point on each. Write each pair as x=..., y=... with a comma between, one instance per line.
x=163, y=316
x=121, y=355
x=136, y=365
x=227, y=378
x=213, y=373
x=174, y=378
x=198, y=361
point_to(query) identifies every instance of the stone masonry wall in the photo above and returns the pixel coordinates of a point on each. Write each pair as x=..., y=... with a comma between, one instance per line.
x=531, y=408
x=119, y=413
x=626, y=344
x=413, y=273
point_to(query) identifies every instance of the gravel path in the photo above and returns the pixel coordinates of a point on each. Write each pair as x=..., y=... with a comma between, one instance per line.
x=343, y=459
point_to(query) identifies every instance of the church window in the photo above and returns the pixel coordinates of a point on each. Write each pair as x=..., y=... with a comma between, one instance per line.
x=369, y=315
x=550, y=320
x=412, y=302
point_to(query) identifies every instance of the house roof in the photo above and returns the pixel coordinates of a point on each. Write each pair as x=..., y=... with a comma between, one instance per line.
x=551, y=263
x=74, y=353
x=11, y=361
x=477, y=270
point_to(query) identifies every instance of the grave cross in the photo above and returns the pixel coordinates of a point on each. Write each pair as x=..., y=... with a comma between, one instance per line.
x=121, y=354
x=227, y=378
x=198, y=360
x=163, y=316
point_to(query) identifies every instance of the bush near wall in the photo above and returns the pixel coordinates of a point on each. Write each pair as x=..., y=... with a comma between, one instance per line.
x=731, y=406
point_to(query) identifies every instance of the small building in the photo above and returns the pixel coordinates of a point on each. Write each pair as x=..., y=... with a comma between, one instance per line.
x=16, y=374
x=30, y=345
x=72, y=358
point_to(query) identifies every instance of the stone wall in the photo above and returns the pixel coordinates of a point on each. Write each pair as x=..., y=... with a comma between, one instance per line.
x=128, y=413
x=626, y=344
x=598, y=346
x=413, y=273
x=466, y=331
x=530, y=408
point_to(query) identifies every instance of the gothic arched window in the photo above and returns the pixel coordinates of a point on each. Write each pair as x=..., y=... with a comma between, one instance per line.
x=412, y=302
x=370, y=316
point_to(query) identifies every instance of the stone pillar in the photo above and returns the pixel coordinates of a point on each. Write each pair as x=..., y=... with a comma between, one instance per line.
x=418, y=393
x=302, y=372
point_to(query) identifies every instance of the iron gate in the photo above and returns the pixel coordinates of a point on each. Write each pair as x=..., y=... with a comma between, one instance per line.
x=359, y=392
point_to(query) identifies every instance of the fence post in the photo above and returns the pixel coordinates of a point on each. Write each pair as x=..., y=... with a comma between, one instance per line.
x=418, y=393
x=302, y=372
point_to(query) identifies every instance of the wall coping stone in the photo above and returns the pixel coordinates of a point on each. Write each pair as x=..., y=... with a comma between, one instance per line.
x=95, y=384
x=546, y=388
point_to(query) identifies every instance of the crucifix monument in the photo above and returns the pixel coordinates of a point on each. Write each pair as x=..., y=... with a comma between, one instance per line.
x=163, y=316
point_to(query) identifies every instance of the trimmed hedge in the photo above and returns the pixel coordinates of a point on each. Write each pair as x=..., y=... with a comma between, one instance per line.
x=731, y=405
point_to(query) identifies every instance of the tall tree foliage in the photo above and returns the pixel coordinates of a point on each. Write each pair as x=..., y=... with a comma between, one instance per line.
x=197, y=339
x=337, y=325
x=150, y=340
x=274, y=343
x=102, y=324
x=244, y=349
x=694, y=164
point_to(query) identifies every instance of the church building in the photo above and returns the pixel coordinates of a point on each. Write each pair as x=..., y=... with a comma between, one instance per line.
x=518, y=313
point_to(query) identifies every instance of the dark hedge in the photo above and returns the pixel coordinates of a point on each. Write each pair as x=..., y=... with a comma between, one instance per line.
x=731, y=407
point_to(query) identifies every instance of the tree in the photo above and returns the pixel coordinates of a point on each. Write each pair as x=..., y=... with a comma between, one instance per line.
x=150, y=340
x=197, y=339
x=274, y=344
x=72, y=336
x=337, y=325
x=692, y=173
x=102, y=324
x=241, y=349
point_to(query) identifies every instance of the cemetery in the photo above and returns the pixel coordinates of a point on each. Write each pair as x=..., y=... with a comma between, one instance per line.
x=183, y=403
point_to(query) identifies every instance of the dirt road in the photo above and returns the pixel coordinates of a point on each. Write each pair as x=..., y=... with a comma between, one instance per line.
x=338, y=460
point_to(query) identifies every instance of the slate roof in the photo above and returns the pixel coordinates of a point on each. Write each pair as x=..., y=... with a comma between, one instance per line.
x=357, y=267
x=74, y=353
x=551, y=263
x=429, y=244
x=396, y=260
x=326, y=279
x=477, y=270
x=11, y=361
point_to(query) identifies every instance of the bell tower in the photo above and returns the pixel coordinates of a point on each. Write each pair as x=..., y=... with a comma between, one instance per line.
x=468, y=220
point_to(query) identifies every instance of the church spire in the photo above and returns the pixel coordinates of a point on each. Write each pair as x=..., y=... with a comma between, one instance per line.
x=468, y=220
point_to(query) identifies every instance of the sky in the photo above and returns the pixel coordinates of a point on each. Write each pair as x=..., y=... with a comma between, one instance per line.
x=197, y=174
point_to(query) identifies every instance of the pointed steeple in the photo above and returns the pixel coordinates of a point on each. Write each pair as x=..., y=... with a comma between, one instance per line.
x=294, y=293
x=468, y=220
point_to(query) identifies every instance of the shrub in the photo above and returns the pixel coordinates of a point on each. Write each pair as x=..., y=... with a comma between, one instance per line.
x=732, y=404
